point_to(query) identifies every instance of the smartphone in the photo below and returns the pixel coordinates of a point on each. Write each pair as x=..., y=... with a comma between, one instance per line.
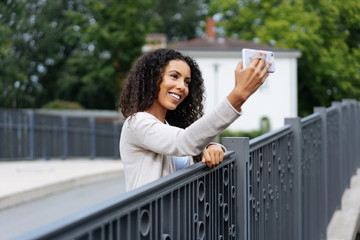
x=247, y=54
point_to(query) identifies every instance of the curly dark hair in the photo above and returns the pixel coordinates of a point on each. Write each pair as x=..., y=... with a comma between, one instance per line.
x=143, y=85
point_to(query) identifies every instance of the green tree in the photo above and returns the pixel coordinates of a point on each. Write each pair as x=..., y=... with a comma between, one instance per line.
x=73, y=50
x=178, y=19
x=15, y=87
x=36, y=50
x=326, y=31
x=111, y=36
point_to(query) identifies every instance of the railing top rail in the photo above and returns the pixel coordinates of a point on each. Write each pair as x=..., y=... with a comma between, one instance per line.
x=310, y=119
x=69, y=113
x=269, y=137
x=331, y=109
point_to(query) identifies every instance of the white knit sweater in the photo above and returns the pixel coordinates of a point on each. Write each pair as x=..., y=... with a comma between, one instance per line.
x=147, y=144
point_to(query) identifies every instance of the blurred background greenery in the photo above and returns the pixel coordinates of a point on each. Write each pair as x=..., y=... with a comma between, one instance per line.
x=81, y=50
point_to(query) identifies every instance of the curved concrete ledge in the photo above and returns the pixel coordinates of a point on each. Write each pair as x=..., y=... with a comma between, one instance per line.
x=345, y=223
x=24, y=181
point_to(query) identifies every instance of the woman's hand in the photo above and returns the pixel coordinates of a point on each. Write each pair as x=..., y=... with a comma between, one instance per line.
x=213, y=155
x=248, y=80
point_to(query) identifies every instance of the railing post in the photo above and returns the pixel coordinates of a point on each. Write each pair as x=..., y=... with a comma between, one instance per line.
x=296, y=130
x=338, y=106
x=346, y=124
x=323, y=116
x=241, y=148
x=31, y=134
x=351, y=130
x=2, y=130
x=92, y=138
x=357, y=117
x=116, y=126
x=65, y=137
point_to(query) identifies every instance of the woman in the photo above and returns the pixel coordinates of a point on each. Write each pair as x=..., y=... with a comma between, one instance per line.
x=162, y=104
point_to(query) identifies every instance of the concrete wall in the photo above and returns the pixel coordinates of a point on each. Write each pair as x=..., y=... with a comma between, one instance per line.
x=345, y=223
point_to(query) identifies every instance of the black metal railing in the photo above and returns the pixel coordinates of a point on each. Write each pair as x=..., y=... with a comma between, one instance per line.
x=190, y=204
x=32, y=134
x=283, y=185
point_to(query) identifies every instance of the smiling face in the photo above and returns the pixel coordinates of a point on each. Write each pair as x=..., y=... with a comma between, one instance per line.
x=174, y=88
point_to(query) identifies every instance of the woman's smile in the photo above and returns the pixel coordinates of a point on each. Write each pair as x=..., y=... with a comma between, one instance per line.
x=176, y=96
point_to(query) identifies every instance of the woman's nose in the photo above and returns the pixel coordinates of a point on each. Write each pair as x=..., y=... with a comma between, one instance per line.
x=180, y=84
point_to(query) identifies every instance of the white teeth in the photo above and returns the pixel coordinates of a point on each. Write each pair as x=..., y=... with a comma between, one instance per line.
x=175, y=96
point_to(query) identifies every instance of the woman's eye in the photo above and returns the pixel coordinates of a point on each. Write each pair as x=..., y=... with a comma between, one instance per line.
x=174, y=76
x=187, y=82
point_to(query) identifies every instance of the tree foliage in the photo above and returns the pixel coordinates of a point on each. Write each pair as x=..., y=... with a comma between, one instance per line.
x=73, y=50
x=61, y=104
x=36, y=50
x=178, y=19
x=326, y=31
x=111, y=37
x=81, y=50
x=14, y=85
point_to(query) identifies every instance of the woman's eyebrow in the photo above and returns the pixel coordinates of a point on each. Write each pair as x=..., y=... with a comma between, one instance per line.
x=175, y=72
x=178, y=73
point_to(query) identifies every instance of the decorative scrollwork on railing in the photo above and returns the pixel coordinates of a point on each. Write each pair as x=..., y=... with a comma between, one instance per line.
x=271, y=174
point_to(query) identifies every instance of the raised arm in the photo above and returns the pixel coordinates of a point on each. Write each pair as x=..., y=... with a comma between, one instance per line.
x=247, y=81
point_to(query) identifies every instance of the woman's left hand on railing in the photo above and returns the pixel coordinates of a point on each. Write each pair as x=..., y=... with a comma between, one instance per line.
x=213, y=155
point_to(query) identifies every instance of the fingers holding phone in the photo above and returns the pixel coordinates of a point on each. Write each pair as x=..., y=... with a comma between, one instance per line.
x=262, y=60
x=250, y=74
x=252, y=55
x=258, y=61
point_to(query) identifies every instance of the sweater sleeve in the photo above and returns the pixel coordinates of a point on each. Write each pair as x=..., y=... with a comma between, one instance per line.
x=149, y=133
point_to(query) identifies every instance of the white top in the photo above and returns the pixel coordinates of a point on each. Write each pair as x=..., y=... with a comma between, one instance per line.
x=181, y=162
x=147, y=144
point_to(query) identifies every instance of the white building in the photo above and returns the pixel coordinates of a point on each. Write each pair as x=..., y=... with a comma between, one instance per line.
x=218, y=58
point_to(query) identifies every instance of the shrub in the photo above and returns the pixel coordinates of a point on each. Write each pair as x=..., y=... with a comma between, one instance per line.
x=61, y=104
x=250, y=134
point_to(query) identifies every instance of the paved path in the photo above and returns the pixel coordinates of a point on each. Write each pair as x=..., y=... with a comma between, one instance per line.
x=35, y=193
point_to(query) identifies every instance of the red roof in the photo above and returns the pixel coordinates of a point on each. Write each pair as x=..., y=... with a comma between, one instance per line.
x=220, y=44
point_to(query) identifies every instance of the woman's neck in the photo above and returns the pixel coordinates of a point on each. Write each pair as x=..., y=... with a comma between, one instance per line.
x=156, y=112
